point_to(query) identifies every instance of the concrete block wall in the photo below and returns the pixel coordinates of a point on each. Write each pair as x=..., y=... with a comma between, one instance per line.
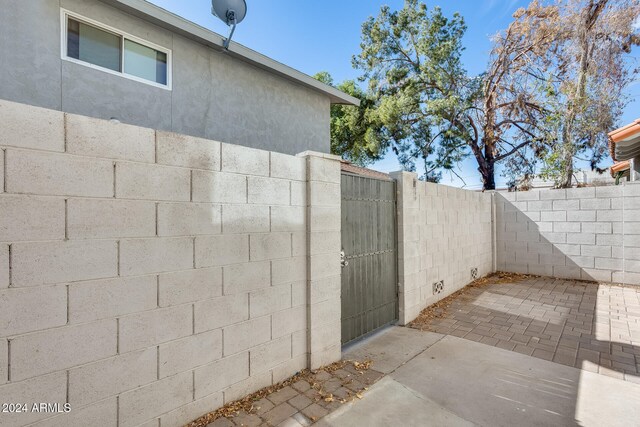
x=324, y=246
x=588, y=233
x=148, y=277
x=443, y=232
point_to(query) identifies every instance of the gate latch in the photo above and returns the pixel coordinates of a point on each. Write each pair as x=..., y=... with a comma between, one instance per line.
x=343, y=259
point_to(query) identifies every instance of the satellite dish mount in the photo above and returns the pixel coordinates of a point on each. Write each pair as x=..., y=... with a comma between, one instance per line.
x=231, y=12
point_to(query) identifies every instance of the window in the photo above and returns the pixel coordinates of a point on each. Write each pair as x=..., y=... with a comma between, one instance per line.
x=145, y=62
x=110, y=50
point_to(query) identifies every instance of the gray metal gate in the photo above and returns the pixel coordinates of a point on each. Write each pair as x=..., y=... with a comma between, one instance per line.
x=369, y=280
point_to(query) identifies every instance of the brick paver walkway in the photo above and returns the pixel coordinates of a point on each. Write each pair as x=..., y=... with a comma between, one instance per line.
x=306, y=400
x=590, y=326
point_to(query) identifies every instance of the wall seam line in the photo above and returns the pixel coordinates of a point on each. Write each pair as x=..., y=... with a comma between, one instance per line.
x=8, y=359
x=191, y=185
x=68, y=304
x=10, y=265
x=193, y=385
x=64, y=130
x=117, y=335
x=4, y=170
x=66, y=219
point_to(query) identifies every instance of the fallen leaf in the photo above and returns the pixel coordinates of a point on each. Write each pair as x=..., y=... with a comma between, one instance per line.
x=246, y=404
x=440, y=309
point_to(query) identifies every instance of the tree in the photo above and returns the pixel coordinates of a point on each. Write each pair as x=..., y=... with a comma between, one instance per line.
x=508, y=118
x=355, y=131
x=411, y=59
x=587, y=73
x=431, y=108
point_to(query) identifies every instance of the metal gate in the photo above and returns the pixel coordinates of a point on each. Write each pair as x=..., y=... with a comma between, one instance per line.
x=369, y=278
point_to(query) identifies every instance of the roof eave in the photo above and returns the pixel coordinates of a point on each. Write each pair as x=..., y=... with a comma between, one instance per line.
x=622, y=134
x=620, y=167
x=625, y=132
x=172, y=22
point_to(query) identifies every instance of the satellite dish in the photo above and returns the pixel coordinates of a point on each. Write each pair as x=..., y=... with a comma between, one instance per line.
x=231, y=12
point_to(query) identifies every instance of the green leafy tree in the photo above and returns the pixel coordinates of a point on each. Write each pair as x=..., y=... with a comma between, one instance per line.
x=411, y=60
x=355, y=131
x=430, y=108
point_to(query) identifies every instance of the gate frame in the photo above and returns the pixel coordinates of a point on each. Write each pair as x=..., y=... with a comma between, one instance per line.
x=396, y=228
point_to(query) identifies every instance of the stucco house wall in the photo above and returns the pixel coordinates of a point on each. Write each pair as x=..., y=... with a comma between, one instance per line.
x=214, y=95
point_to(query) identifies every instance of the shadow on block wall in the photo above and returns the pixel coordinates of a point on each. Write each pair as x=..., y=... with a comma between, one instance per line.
x=583, y=233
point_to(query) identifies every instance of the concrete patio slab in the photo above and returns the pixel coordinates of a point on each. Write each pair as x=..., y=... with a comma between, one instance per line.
x=402, y=407
x=391, y=348
x=457, y=381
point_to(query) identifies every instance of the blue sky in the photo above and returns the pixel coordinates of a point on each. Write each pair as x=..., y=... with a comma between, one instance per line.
x=313, y=36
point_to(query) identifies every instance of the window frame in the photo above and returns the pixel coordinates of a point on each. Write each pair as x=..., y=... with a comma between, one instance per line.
x=66, y=14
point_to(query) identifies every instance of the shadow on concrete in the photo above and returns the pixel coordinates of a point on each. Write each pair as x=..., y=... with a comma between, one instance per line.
x=552, y=319
x=595, y=324
x=459, y=382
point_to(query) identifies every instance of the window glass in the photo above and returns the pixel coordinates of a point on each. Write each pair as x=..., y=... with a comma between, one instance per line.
x=92, y=45
x=145, y=62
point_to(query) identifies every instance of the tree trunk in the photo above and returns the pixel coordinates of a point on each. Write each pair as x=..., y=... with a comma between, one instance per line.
x=487, y=165
x=488, y=177
x=591, y=14
x=567, y=173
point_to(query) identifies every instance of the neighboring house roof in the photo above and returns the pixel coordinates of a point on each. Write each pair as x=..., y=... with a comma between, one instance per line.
x=357, y=170
x=624, y=143
x=165, y=19
x=620, y=167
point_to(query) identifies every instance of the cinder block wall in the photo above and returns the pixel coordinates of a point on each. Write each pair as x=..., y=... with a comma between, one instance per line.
x=579, y=233
x=443, y=232
x=146, y=277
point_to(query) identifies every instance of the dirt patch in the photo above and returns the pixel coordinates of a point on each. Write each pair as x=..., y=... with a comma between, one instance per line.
x=350, y=377
x=440, y=309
